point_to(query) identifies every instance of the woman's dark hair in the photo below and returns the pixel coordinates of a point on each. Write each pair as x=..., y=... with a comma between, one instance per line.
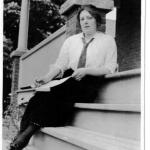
x=93, y=11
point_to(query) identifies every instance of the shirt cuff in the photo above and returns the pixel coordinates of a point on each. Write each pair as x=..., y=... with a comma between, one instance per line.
x=112, y=68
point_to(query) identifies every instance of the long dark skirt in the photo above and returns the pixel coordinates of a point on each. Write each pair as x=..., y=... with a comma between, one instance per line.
x=55, y=108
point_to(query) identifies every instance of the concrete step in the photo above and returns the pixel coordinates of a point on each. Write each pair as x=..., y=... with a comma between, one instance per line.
x=121, y=120
x=120, y=88
x=29, y=147
x=73, y=138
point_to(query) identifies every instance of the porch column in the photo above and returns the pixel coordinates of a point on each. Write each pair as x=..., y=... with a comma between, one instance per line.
x=21, y=49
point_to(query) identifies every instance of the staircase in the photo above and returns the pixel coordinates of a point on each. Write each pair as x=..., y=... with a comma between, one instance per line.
x=111, y=123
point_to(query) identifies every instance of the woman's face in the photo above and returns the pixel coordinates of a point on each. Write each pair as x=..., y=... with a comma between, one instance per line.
x=87, y=22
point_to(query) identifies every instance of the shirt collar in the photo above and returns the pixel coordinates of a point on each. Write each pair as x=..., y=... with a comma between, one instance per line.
x=95, y=36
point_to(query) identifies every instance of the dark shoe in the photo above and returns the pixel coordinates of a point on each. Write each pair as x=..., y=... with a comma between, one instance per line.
x=23, y=138
x=14, y=146
x=19, y=142
x=18, y=145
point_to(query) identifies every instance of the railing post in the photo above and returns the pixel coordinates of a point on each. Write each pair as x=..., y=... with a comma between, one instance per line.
x=21, y=49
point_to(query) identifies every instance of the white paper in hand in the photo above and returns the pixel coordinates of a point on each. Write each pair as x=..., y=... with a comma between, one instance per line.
x=46, y=87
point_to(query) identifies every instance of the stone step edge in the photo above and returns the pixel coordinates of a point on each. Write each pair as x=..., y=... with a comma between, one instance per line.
x=110, y=107
x=91, y=140
x=128, y=73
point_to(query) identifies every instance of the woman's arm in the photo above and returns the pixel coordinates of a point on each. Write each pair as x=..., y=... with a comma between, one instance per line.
x=97, y=71
x=48, y=77
x=58, y=67
x=81, y=72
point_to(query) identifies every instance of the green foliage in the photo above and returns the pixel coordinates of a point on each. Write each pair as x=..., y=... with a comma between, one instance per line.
x=7, y=47
x=44, y=20
x=7, y=71
x=58, y=2
x=11, y=120
x=11, y=21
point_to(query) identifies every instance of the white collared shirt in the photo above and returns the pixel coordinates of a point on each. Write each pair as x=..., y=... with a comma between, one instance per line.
x=101, y=52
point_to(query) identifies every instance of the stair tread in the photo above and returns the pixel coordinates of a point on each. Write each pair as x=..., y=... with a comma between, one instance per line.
x=90, y=139
x=110, y=107
x=127, y=73
x=30, y=148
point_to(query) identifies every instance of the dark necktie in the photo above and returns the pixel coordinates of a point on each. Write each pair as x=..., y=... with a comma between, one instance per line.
x=82, y=59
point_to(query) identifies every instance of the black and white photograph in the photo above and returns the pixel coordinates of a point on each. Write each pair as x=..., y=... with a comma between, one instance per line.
x=73, y=75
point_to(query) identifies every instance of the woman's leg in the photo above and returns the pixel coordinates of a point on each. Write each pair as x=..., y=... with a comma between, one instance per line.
x=33, y=104
x=27, y=128
x=43, y=109
x=50, y=109
x=77, y=91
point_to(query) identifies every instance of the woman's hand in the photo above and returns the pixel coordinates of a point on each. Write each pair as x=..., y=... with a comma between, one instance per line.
x=39, y=82
x=79, y=73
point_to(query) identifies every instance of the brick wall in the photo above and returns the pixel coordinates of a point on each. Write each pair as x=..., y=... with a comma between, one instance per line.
x=15, y=77
x=128, y=34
